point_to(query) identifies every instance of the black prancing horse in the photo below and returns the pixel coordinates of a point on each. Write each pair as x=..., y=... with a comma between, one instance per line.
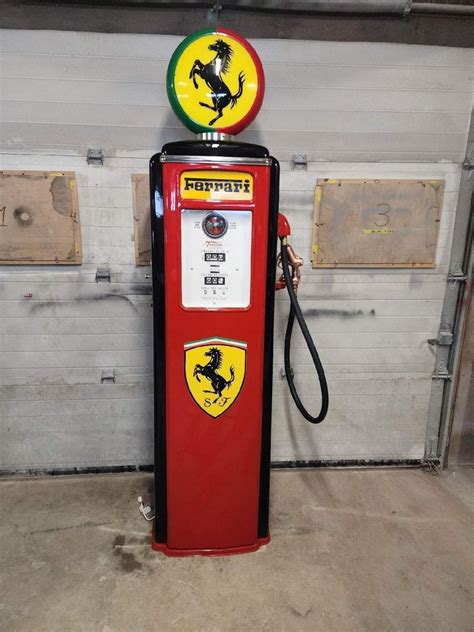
x=212, y=73
x=209, y=371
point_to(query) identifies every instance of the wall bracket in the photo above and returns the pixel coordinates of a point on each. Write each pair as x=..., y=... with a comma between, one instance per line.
x=95, y=157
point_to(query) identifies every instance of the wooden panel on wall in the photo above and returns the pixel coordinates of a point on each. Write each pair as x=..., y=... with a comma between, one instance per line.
x=141, y=217
x=39, y=218
x=376, y=223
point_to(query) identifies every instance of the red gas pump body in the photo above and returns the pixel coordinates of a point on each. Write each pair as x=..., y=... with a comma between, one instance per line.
x=212, y=419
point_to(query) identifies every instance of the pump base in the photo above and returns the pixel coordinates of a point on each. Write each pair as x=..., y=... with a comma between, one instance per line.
x=235, y=550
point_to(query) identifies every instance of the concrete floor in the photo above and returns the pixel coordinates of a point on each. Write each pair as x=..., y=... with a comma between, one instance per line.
x=375, y=550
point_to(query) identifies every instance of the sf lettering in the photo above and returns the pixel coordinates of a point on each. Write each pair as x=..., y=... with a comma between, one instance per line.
x=221, y=403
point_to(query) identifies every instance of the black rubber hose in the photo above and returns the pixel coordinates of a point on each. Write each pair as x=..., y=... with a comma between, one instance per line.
x=295, y=311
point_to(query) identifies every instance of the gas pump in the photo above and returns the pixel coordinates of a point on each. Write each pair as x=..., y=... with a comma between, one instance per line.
x=215, y=223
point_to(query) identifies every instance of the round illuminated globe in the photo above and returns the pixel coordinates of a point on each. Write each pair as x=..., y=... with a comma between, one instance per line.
x=215, y=82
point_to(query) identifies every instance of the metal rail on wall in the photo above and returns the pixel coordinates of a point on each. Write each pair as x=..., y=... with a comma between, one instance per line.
x=353, y=7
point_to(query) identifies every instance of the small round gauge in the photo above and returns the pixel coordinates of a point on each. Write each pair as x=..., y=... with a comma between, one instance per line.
x=215, y=225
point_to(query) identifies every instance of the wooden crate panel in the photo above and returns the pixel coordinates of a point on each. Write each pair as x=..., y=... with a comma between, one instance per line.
x=141, y=218
x=376, y=223
x=39, y=218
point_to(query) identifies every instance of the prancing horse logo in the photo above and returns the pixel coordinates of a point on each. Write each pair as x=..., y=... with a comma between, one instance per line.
x=215, y=372
x=209, y=371
x=211, y=73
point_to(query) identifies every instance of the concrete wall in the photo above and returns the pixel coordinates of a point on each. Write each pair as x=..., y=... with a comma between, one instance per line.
x=357, y=110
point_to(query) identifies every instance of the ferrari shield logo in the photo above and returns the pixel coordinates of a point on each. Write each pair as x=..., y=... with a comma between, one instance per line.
x=215, y=372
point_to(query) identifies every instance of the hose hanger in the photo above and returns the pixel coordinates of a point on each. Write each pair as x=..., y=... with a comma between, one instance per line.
x=291, y=264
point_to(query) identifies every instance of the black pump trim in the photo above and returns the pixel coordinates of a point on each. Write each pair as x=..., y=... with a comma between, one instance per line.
x=265, y=453
x=159, y=351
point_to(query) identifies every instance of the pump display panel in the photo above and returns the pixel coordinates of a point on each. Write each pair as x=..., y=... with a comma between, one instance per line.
x=216, y=258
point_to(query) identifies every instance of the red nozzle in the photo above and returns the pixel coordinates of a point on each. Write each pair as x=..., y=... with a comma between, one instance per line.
x=283, y=226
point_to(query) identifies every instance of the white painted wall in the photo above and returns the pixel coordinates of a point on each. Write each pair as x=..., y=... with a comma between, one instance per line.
x=356, y=110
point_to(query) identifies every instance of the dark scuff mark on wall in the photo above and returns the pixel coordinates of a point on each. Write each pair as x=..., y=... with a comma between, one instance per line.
x=338, y=313
x=142, y=289
x=39, y=305
x=61, y=197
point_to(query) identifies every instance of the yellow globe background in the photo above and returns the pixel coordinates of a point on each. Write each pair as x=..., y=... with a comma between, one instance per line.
x=188, y=96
